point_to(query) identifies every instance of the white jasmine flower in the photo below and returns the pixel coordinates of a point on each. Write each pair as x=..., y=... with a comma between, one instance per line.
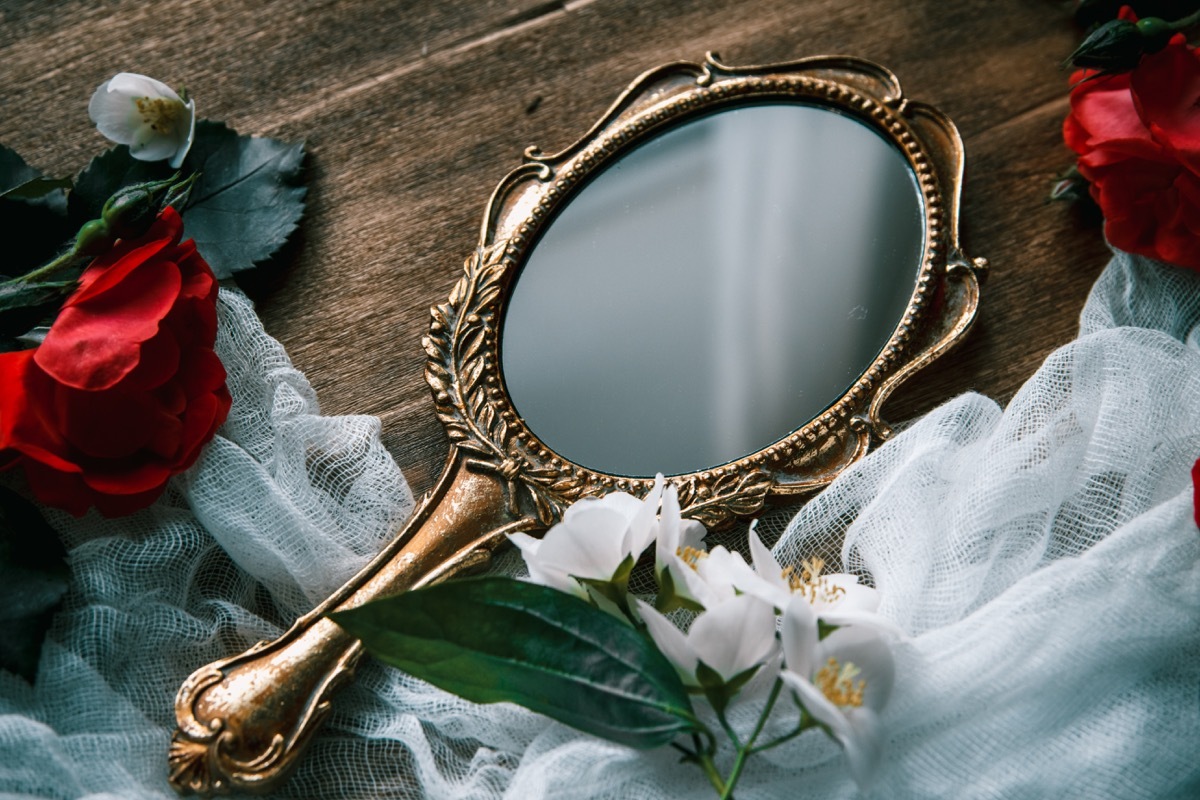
x=843, y=681
x=679, y=554
x=731, y=638
x=838, y=598
x=145, y=114
x=597, y=539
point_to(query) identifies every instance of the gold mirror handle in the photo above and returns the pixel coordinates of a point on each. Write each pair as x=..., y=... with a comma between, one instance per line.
x=244, y=721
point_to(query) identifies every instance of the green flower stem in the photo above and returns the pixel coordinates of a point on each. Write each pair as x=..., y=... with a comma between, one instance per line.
x=705, y=760
x=1186, y=22
x=730, y=732
x=745, y=749
x=805, y=723
x=67, y=259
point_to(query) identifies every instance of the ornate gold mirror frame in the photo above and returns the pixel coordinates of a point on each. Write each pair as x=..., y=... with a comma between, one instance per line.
x=244, y=721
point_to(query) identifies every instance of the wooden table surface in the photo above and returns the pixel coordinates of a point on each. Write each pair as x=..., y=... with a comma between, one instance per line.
x=413, y=112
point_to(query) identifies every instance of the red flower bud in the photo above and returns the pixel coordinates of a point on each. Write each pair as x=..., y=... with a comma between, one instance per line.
x=126, y=388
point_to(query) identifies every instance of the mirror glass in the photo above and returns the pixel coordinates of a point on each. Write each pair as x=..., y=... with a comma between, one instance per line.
x=713, y=289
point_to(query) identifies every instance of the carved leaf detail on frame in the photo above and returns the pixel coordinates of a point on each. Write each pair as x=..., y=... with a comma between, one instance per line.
x=735, y=495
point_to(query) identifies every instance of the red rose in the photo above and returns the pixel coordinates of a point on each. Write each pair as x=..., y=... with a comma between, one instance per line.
x=1138, y=139
x=126, y=388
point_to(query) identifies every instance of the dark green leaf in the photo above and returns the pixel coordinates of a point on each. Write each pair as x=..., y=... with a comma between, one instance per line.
x=502, y=640
x=24, y=305
x=248, y=199
x=29, y=204
x=107, y=173
x=14, y=172
x=33, y=580
x=36, y=188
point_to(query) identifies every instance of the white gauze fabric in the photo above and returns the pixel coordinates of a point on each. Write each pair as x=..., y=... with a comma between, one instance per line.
x=1043, y=559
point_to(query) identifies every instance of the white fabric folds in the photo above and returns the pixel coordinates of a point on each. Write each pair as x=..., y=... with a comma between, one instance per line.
x=1043, y=558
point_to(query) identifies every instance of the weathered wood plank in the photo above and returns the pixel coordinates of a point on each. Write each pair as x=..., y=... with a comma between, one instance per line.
x=412, y=114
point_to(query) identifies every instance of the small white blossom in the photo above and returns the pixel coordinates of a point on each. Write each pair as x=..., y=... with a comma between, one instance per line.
x=679, y=553
x=145, y=114
x=595, y=538
x=843, y=681
x=837, y=598
x=730, y=638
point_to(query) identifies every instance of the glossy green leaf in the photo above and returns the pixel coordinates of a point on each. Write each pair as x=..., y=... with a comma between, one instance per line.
x=24, y=305
x=33, y=579
x=246, y=202
x=108, y=172
x=36, y=188
x=29, y=203
x=502, y=640
x=248, y=199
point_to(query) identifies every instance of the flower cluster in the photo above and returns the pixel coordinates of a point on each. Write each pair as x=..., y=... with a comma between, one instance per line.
x=125, y=389
x=1137, y=135
x=819, y=635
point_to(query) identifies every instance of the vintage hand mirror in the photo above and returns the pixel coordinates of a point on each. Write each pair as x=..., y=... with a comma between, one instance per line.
x=722, y=280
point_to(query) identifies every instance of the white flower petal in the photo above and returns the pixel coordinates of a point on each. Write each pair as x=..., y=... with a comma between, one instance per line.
x=725, y=572
x=131, y=84
x=764, y=562
x=581, y=507
x=590, y=547
x=691, y=533
x=529, y=548
x=863, y=745
x=670, y=640
x=181, y=153
x=689, y=585
x=642, y=524
x=866, y=650
x=867, y=619
x=116, y=116
x=114, y=108
x=817, y=704
x=736, y=635
x=148, y=145
x=852, y=594
x=763, y=680
x=525, y=543
x=799, y=635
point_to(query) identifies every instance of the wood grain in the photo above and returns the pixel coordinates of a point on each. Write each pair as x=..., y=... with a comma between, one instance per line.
x=413, y=111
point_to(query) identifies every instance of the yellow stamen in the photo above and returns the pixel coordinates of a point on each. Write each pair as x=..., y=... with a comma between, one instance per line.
x=690, y=555
x=160, y=113
x=810, y=583
x=836, y=682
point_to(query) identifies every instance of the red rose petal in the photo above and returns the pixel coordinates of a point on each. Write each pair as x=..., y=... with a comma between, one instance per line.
x=199, y=423
x=1196, y=492
x=1106, y=111
x=1166, y=89
x=110, y=269
x=94, y=345
x=171, y=398
x=201, y=372
x=157, y=364
x=109, y=425
x=58, y=489
x=135, y=479
x=167, y=439
x=123, y=505
x=125, y=390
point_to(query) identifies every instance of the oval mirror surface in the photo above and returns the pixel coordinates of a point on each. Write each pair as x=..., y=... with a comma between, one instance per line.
x=713, y=290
